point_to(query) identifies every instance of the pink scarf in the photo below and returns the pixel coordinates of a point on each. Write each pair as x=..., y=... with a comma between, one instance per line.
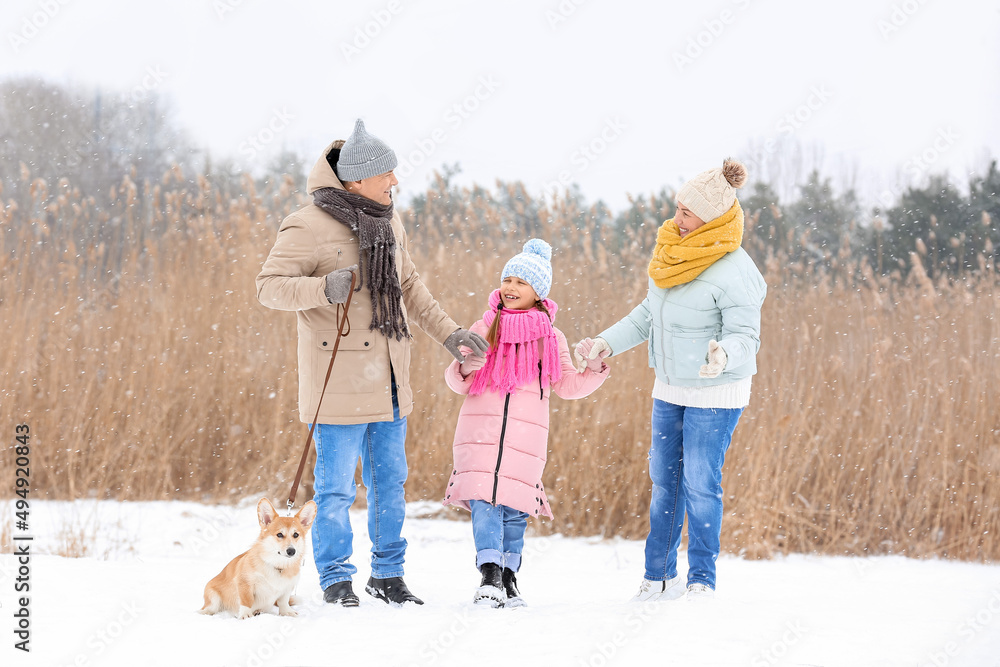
x=513, y=361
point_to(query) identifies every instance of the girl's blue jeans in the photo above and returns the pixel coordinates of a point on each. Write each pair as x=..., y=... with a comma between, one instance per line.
x=498, y=531
x=685, y=463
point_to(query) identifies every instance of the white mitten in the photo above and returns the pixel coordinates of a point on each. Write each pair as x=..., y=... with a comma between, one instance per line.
x=590, y=353
x=717, y=360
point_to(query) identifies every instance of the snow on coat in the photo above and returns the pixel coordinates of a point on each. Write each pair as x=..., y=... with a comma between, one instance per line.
x=501, y=440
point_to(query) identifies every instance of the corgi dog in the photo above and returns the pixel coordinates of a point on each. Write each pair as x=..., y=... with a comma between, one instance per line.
x=266, y=575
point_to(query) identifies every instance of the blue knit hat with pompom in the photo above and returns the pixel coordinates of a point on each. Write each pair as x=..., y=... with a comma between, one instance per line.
x=533, y=265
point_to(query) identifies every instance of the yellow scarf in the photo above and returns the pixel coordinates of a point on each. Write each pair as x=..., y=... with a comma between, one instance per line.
x=679, y=260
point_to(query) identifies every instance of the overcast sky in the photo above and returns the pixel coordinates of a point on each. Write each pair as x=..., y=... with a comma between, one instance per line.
x=619, y=97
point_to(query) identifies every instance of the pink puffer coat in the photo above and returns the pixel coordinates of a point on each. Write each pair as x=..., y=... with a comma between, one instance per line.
x=501, y=439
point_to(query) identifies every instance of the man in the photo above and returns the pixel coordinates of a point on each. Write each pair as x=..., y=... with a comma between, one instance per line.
x=351, y=223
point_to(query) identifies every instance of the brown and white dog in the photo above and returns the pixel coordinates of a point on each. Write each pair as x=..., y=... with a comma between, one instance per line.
x=265, y=575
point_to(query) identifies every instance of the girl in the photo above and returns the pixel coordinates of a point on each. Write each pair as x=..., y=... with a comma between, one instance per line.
x=500, y=440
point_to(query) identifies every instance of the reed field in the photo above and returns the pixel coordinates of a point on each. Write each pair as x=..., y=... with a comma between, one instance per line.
x=137, y=353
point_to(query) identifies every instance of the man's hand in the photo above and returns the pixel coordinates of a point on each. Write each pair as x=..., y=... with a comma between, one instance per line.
x=717, y=360
x=338, y=284
x=590, y=354
x=476, y=344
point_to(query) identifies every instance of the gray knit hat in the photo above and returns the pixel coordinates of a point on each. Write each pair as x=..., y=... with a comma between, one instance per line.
x=364, y=155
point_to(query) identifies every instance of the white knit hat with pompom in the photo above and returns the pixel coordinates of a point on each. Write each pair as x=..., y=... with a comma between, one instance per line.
x=711, y=193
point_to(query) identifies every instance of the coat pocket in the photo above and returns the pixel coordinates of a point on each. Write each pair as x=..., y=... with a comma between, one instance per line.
x=355, y=369
x=690, y=348
x=335, y=255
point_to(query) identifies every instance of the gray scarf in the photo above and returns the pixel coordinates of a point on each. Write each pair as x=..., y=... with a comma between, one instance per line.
x=372, y=223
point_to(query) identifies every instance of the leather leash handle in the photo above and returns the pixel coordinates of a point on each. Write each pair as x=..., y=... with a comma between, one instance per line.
x=336, y=345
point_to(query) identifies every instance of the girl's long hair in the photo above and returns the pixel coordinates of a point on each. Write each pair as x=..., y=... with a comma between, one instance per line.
x=493, y=335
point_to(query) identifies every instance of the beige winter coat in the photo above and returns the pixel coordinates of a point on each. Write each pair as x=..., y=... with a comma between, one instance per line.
x=311, y=244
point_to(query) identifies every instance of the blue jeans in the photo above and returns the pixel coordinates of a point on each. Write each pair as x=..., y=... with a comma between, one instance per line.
x=498, y=531
x=685, y=463
x=380, y=445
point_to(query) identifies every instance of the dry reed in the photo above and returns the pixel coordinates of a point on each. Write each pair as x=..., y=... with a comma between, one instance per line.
x=146, y=369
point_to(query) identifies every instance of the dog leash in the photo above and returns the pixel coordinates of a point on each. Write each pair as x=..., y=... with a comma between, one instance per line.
x=341, y=322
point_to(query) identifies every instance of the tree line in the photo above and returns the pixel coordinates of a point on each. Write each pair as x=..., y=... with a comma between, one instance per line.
x=56, y=141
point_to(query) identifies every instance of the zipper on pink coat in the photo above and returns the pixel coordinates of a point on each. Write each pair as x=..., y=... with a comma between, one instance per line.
x=503, y=430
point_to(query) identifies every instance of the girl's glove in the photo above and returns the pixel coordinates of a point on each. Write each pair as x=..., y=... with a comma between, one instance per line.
x=471, y=364
x=717, y=360
x=590, y=354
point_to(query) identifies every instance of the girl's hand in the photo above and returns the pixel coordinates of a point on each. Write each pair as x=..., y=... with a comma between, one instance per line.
x=590, y=354
x=471, y=364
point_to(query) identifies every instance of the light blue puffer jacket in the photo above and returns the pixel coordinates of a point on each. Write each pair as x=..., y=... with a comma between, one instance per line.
x=723, y=303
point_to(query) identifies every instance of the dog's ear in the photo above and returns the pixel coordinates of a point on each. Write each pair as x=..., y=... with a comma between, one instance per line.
x=265, y=512
x=307, y=514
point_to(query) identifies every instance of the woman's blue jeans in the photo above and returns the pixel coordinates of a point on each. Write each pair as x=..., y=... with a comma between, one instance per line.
x=498, y=531
x=380, y=446
x=685, y=463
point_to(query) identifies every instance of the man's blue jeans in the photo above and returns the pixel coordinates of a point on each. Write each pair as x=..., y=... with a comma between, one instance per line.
x=685, y=463
x=498, y=531
x=380, y=445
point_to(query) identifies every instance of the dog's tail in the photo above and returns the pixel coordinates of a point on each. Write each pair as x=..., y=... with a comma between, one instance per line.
x=213, y=603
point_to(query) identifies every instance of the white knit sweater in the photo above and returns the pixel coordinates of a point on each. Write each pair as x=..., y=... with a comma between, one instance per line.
x=730, y=395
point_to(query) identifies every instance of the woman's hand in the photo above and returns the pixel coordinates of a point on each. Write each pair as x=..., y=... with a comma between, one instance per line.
x=717, y=360
x=590, y=354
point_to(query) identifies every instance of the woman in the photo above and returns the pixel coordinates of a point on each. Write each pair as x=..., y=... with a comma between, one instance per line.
x=701, y=318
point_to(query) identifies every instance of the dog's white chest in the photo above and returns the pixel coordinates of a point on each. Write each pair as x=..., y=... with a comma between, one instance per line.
x=273, y=586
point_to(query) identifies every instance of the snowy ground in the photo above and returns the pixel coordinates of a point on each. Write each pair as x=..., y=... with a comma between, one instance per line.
x=132, y=601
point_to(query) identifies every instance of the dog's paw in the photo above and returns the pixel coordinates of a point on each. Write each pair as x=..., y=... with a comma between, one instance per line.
x=245, y=612
x=287, y=612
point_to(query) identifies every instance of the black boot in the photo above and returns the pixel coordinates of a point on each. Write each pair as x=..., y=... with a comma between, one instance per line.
x=490, y=591
x=391, y=590
x=514, y=598
x=341, y=593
